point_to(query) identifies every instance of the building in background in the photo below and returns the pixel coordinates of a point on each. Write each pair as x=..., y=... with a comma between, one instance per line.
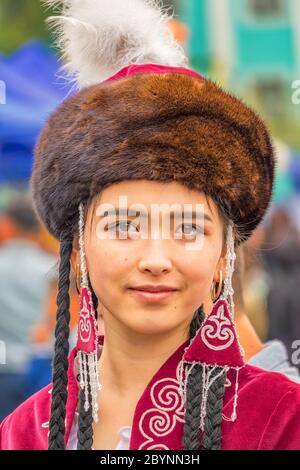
x=252, y=46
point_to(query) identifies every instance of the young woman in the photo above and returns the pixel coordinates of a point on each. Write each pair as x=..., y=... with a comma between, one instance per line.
x=153, y=134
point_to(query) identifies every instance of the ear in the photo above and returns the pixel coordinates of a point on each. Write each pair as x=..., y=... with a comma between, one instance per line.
x=75, y=255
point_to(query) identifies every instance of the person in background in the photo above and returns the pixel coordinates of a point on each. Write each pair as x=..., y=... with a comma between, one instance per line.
x=282, y=261
x=25, y=270
x=256, y=283
x=271, y=355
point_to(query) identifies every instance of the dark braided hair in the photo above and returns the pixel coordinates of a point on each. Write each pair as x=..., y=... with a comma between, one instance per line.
x=61, y=349
x=193, y=394
x=85, y=421
x=211, y=439
x=212, y=425
x=85, y=418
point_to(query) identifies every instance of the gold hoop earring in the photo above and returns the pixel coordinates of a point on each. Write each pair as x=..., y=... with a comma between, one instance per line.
x=214, y=295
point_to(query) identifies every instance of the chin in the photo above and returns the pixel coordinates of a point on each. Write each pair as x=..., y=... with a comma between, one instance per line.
x=148, y=325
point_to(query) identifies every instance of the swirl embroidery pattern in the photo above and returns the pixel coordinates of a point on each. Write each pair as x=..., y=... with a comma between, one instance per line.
x=220, y=331
x=161, y=419
x=85, y=326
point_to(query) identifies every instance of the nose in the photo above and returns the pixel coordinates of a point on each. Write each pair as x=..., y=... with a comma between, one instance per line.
x=156, y=259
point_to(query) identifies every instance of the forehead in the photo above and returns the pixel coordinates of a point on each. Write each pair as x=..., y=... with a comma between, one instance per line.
x=148, y=193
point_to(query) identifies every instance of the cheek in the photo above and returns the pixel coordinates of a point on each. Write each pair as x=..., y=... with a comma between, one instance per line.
x=199, y=271
x=107, y=266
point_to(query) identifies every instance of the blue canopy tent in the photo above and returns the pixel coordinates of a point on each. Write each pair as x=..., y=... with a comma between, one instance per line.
x=33, y=91
x=294, y=171
x=287, y=181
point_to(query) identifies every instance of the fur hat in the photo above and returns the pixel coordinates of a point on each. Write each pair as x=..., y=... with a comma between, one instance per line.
x=156, y=124
x=147, y=121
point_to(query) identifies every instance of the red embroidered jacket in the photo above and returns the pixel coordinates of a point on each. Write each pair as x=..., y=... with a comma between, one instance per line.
x=268, y=412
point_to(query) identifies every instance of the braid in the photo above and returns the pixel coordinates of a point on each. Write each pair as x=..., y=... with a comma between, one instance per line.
x=61, y=349
x=95, y=300
x=212, y=427
x=192, y=409
x=193, y=395
x=197, y=321
x=85, y=421
x=212, y=424
x=85, y=418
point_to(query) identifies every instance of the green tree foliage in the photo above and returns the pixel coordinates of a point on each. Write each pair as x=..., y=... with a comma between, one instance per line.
x=20, y=21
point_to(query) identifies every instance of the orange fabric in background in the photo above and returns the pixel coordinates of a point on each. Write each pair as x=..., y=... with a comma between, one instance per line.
x=43, y=331
x=179, y=30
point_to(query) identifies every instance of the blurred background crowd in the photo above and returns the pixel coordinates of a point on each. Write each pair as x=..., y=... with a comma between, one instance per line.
x=252, y=47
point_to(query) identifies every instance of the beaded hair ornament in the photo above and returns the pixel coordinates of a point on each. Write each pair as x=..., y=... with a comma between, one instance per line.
x=87, y=335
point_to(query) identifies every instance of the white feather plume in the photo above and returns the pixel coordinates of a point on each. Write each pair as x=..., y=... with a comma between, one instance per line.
x=99, y=37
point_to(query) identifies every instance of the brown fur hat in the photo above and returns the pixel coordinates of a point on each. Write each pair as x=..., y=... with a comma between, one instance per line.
x=157, y=124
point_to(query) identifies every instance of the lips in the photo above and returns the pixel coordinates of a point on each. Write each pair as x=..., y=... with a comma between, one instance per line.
x=152, y=293
x=149, y=288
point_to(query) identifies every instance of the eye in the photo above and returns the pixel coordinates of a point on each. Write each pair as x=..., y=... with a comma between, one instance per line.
x=190, y=230
x=123, y=227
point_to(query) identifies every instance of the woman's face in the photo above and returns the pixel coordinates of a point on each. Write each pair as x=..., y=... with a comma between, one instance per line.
x=150, y=255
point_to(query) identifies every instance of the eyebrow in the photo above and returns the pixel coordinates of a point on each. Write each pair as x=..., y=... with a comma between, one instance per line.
x=124, y=212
